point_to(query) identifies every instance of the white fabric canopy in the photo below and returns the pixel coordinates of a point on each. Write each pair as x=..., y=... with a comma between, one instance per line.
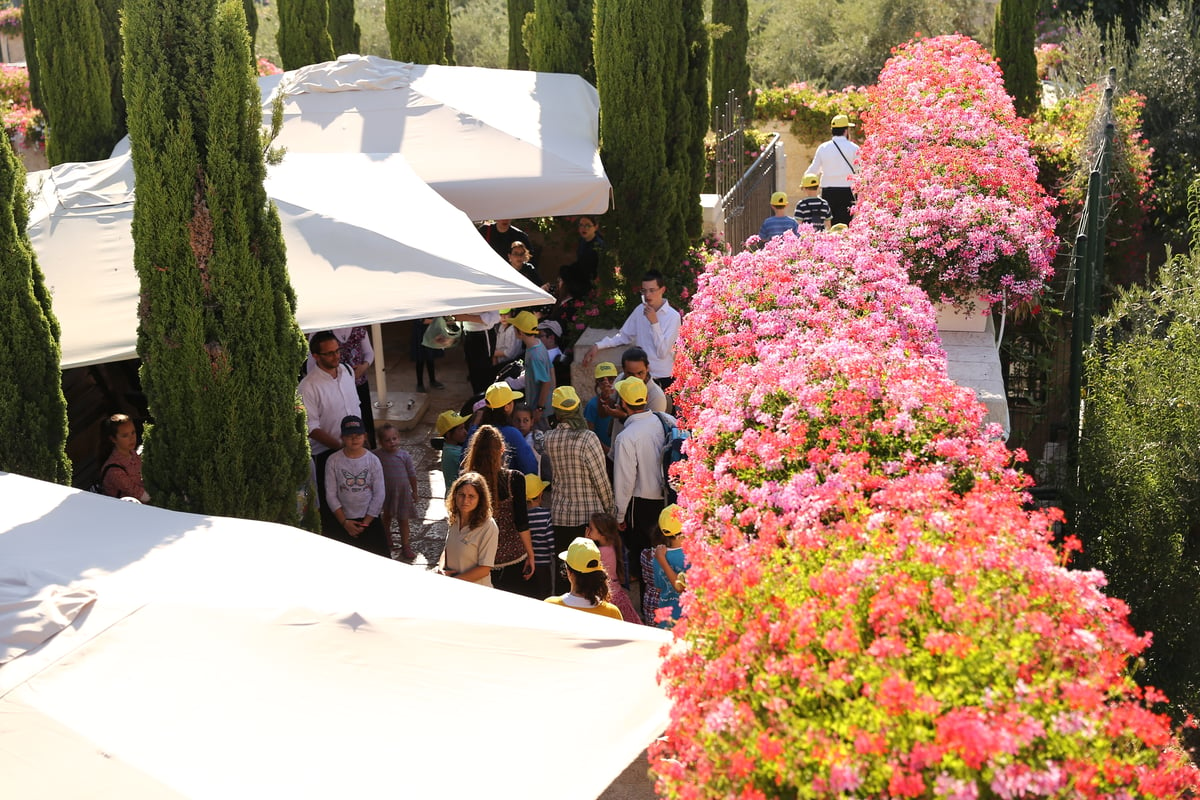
x=496, y=143
x=367, y=242
x=221, y=658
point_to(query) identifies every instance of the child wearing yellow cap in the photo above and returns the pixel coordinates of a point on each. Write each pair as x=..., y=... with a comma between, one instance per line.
x=669, y=565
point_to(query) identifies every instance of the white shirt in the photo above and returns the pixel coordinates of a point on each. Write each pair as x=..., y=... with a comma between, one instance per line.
x=326, y=400
x=829, y=164
x=637, y=460
x=658, y=340
x=489, y=318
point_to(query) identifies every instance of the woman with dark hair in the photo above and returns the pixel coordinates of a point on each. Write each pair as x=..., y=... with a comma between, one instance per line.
x=121, y=475
x=514, y=562
x=518, y=258
x=589, y=581
x=580, y=276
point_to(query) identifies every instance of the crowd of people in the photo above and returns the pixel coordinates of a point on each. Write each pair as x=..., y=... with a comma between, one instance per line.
x=827, y=196
x=547, y=496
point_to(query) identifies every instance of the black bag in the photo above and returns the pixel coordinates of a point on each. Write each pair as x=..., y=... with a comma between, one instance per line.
x=98, y=486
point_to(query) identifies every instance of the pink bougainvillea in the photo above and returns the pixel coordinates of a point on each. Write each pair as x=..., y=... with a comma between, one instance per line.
x=946, y=178
x=871, y=610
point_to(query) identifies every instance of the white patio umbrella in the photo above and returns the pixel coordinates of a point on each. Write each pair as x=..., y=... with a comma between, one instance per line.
x=367, y=242
x=147, y=654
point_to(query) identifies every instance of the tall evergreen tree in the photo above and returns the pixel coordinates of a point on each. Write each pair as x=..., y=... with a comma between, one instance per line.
x=345, y=32
x=110, y=28
x=695, y=35
x=73, y=76
x=29, y=34
x=518, y=53
x=217, y=336
x=33, y=412
x=730, y=69
x=640, y=65
x=559, y=37
x=248, y=6
x=1016, y=21
x=303, y=36
x=419, y=31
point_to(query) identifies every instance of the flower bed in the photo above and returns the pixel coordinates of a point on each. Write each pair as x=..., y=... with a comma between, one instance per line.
x=871, y=612
x=946, y=178
x=23, y=123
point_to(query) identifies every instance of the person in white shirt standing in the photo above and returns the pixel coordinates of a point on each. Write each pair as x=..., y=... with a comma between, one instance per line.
x=834, y=163
x=329, y=395
x=638, y=487
x=653, y=326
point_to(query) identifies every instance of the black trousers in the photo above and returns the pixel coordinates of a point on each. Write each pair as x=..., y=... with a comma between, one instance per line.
x=641, y=524
x=478, y=347
x=840, y=198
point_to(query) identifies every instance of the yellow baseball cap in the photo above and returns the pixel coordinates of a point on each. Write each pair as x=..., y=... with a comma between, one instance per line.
x=779, y=199
x=669, y=522
x=605, y=369
x=632, y=391
x=448, y=421
x=498, y=395
x=525, y=322
x=809, y=181
x=582, y=555
x=564, y=397
x=841, y=121
x=534, y=486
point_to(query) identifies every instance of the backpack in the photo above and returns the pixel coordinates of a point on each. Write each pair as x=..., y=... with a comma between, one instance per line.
x=672, y=451
x=98, y=486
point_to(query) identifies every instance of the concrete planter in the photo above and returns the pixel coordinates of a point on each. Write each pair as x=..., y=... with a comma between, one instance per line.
x=582, y=378
x=953, y=318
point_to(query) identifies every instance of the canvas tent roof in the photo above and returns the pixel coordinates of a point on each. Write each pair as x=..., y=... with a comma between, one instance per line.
x=208, y=657
x=367, y=242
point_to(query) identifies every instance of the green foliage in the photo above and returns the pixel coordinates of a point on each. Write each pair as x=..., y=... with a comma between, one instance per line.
x=35, y=75
x=74, y=81
x=343, y=30
x=1167, y=73
x=303, y=36
x=1014, y=33
x=1138, y=499
x=476, y=43
x=834, y=45
x=419, y=31
x=518, y=11
x=559, y=37
x=110, y=28
x=217, y=336
x=645, y=128
x=251, y=12
x=695, y=89
x=808, y=110
x=33, y=412
x=730, y=70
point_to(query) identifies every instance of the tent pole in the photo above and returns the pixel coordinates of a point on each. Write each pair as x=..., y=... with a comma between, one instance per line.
x=382, y=404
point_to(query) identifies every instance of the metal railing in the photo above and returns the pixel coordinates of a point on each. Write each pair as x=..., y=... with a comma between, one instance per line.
x=748, y=203
x=1087, y=257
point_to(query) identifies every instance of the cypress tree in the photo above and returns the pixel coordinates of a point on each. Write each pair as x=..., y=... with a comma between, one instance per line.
x=343, y=30
x=559, y=37
x=518, y=12
x=251, y=23
x=640, y=64
x=303, y=36
x=1014, y=32
x=35, y=76
x=696, y=89
x=73, y=76
x=33, y=412
x=217, y=333
x=419, y=31
x=110, y=29
x=730, y=70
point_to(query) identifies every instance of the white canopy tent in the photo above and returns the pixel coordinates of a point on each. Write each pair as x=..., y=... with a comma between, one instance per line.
x=355, y=256
x=207, y=657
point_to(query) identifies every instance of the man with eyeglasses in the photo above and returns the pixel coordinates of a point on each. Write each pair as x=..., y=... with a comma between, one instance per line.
x=329, y=395
x=653, y=326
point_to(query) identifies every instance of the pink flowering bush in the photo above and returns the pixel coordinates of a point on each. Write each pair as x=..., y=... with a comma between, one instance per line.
x=871, y=611
x=266, y=67
x=946, y=178
x=24, y=124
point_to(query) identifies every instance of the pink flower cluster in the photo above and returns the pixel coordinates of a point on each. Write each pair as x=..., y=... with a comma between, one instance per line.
x=947, y=180
x=871, y=610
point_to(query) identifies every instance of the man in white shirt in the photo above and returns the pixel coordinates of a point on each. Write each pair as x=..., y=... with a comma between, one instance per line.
x=637, y=467
x=329, y=395
x=835, y=163
x=653, y=326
